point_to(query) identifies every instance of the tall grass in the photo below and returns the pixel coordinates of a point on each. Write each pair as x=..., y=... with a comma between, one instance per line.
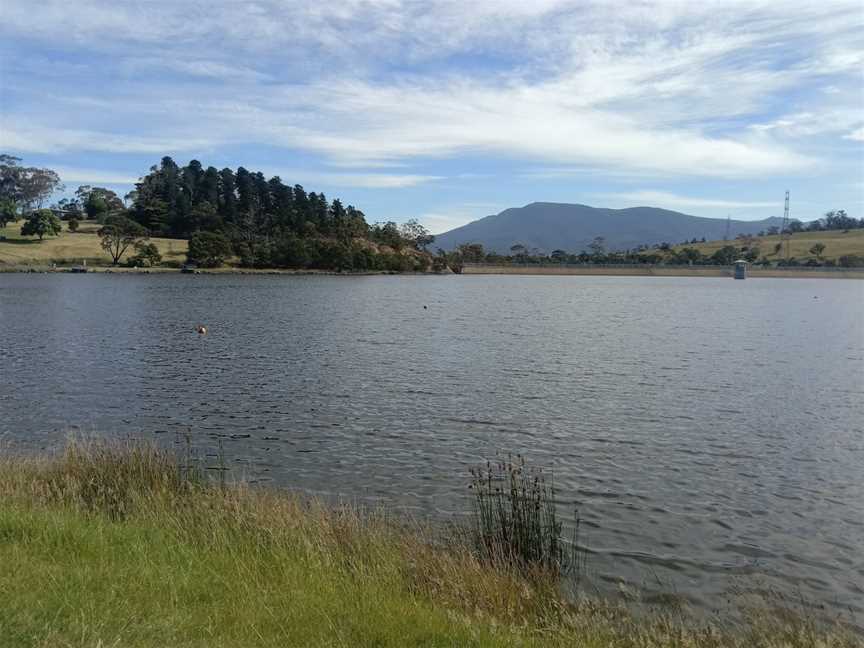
x=126, y=544
x=516, y=522
x=113, y=476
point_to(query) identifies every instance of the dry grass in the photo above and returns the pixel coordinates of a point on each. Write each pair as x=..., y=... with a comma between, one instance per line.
x=837, y=244
x=124, y=544
x=71, y=248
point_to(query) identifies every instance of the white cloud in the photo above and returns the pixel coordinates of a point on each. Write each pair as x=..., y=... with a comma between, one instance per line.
x=653, y=198
x=653, y=88
x=806, y=124
x=445, y=218
x=21, y=136
x=857, y=135
x=95, y=176
x=363, y=180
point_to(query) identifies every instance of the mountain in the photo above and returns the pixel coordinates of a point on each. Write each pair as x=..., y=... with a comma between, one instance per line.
x=551, y=226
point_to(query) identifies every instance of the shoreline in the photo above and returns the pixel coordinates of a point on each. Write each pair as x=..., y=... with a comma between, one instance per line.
x=664, y=271
x=34, y=269
x=473, y=269
x=192, y=555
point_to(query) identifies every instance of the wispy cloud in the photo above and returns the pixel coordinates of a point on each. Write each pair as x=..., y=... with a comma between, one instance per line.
x=857, y=135
x=19, y=135
x=445, y=218
x=728, y=90
x=649, y=197
x=95, y=176
x=362, y=180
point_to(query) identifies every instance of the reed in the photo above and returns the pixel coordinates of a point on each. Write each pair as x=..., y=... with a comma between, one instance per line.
x=515, y=519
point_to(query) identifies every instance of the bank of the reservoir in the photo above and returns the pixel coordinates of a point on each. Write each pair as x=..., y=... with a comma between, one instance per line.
x=107, y=547
x=661, y=271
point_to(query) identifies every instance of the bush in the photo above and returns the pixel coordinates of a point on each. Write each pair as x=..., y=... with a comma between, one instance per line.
x=396, y=263
x=334, y=255
x=73, y=224
x=146, y=255
x=256, y=255
x=365, y=259
x=851, y=261
x=293, y=252
x=40, y=223
x=208, y=249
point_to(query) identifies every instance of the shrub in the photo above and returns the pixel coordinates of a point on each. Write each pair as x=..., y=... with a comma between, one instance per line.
x=146, y=255
x=40, y=223
x=851, y=261
x=290, y=252
x=208, y=249
x=73, y=224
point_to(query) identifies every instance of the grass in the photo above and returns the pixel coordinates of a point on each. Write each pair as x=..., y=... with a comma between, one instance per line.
x=71, y=248
x=837, y=243
x=516, y=522
x=126, y=545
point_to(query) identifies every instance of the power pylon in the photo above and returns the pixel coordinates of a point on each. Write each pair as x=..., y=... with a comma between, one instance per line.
x=784, y=230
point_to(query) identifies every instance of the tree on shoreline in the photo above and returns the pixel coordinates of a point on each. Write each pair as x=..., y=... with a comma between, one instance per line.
x=118, y=234
x=208, y=249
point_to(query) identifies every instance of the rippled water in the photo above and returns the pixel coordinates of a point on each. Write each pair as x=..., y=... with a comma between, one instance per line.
x=711, y=432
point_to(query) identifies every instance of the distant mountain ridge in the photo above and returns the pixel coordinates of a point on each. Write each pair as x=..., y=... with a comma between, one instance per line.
x=572, y=227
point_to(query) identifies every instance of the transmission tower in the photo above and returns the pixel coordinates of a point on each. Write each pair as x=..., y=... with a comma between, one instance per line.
x=728, y=227
x=784, y=230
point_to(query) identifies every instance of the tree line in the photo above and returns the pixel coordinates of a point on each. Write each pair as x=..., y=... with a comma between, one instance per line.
x=263, y=222
x=748, y=248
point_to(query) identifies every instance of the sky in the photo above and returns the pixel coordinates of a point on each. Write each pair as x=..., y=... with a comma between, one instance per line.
x=449, y=111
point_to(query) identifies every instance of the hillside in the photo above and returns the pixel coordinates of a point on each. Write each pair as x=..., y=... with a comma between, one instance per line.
x=550, y=226
x=837, y=243
x=71, y=248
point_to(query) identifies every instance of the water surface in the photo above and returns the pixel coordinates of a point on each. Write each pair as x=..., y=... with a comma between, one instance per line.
x=710, y=431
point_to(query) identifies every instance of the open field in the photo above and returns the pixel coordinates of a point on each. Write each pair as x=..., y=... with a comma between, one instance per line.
x=71, y=248
x=837, y=244
x=123, y=544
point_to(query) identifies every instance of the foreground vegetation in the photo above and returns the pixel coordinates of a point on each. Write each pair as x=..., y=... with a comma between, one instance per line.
x=126, y=545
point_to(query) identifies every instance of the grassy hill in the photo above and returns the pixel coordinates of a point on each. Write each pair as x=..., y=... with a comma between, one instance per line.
x=71, y=248
x=837, y=243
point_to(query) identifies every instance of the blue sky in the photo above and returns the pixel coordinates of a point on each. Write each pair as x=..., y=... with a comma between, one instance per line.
x=449, y=111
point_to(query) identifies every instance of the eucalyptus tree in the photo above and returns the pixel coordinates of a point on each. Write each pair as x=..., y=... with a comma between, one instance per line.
x=118, y=234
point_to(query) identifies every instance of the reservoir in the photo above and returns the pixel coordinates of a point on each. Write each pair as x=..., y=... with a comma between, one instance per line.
x=710, y=432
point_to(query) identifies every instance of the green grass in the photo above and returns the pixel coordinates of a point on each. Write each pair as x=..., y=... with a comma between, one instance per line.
x=125, y=546
x=71, y=248
x=837, y=243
